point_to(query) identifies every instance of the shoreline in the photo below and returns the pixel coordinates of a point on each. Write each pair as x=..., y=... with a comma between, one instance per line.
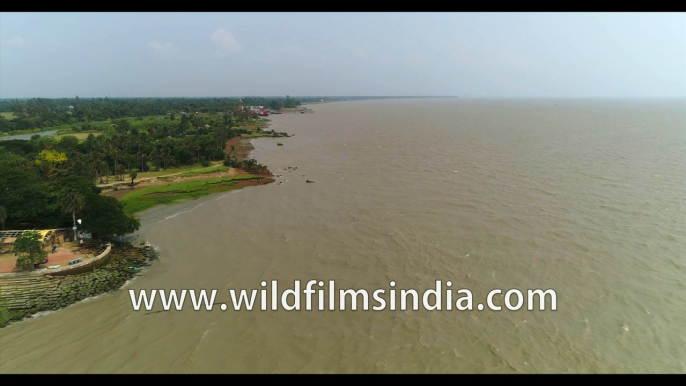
x=206, y=183
x=24, y=296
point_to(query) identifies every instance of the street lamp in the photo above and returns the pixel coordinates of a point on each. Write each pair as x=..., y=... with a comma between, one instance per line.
x=77, y=235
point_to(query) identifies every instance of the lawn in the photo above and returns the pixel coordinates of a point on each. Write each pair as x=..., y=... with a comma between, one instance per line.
x=8, y=115
x=207, y=170
x=145, y=198
x=80, y=136
x=181, y=169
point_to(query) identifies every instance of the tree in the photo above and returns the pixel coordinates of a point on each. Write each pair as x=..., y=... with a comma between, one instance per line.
x=133, y=176
x=47, y=160
x=29, y=249
x=71, y=199
x=104, y=170
x=119, y=171
x=69, y=142
x=105, y=217
x=3, y=217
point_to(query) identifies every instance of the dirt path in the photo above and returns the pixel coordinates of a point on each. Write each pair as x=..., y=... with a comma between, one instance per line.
x=242, y=149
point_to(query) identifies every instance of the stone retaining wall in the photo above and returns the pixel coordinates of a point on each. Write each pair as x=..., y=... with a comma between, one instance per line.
x=25, y=295
x=81, y=267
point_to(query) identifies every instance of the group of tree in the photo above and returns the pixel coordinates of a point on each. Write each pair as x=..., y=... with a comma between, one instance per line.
x=46, y=182
x=35, y=198
x=29, y=114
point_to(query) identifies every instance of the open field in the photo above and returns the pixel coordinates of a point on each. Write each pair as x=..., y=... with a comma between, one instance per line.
x=201, y=171
x=80, y=136
x=150, y=196
x=179, y=170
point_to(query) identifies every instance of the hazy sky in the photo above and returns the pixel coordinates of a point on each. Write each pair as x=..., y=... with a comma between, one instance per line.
x=237, y=54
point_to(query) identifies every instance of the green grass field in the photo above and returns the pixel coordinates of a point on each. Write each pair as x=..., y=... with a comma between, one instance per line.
x=181, y=169
x=80, y=136
x=146, y=198
x=207, y=170
x=8, y=115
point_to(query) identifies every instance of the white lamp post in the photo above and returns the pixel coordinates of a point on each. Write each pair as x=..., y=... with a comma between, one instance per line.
x=77, y=237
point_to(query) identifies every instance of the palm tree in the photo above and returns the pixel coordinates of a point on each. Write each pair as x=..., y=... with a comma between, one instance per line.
x=104, y=170
x=3, y=217
x=71, y=200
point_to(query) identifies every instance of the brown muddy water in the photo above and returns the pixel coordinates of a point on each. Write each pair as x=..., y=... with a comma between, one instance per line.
x=587, y=197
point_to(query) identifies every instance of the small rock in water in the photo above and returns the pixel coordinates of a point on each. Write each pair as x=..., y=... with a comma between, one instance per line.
x=308, y=181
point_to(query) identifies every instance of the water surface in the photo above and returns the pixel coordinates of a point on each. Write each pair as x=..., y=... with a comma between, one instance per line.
x=583, y=196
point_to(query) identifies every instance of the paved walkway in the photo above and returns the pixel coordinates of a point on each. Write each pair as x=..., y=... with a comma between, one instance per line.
x=60, y=257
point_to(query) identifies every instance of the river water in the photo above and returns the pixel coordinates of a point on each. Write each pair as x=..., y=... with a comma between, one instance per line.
x=586, y=197
x=28, y=136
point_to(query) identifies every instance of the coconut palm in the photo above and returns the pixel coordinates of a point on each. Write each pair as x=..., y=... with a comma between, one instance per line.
x=3, y=217
x=71, y=200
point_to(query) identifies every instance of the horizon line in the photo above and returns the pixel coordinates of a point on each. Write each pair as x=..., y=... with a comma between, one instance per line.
x=349, y=96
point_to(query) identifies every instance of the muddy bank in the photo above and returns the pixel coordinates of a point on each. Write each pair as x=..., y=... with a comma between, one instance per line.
x=242, y=148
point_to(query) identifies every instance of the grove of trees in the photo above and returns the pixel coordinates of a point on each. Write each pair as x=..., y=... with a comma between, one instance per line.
x=44, y=113
x=47, y=182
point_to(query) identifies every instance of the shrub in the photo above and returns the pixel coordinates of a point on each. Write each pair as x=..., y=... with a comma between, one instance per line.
x=29, y=249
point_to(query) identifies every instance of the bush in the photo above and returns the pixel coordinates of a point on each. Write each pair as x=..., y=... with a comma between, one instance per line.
x=29, y=249
x=205, y=163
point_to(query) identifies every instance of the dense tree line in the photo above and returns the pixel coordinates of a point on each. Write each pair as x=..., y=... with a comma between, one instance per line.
x=41, y=113
x=44, y=182
x=30, y=198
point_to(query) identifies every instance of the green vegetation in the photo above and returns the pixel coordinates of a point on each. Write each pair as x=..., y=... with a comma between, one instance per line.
x=206, y=170
x=40, y=113
x=3, y=217
x=116, y=222
x=101, y=140
x=171, y=171
x=29, y=249
x=79, y=136
x=253, y=135
x=145, y=198
x=268, y=133
x=71, y=198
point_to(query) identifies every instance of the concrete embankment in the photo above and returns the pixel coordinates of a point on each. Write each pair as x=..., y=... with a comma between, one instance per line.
x=25, y=295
